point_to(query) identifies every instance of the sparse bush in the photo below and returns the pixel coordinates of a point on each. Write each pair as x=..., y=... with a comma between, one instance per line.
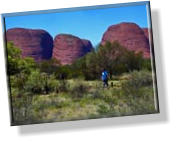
x=137, y=80
x=49, y=66
x=18, y=81
x=146, y=64
x=96, y=94
x=79, y=89
x=22, y=107
x=139, y=93
x=63, y=86
x=103, y=109
x=42, y=83
x=35, y=83
x=52, y=83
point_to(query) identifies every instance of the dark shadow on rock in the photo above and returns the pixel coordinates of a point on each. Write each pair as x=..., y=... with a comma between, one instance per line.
x=116, y=122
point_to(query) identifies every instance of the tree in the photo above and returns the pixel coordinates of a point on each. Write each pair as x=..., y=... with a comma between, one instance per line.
x=111, y=56
x=49, y=66
x=13, y=56
x=19, y=68
x=17, y=64
x=118, y=59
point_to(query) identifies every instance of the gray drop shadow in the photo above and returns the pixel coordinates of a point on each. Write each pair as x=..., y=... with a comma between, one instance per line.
x=142, y=120
x=160, y=65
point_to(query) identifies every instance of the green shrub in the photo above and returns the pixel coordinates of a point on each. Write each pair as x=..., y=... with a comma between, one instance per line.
x=138, y=93
x=96, y=94
x=18, y=80
x=146, y=64
x=138, y=79
x=103, y=109
x=22, y=107
x=17, y=64
x=42, y=83
x=79, y=89
x=52, y=83
x=35, y=83
x=49, y=66
x=62, y=86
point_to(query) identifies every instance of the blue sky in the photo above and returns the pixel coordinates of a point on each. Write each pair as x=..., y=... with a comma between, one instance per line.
x=87, y=24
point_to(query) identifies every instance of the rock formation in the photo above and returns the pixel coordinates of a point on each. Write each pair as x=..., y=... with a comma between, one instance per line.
x=37, y=44
x=88, y=45
x=129, y=35
x=148, y=34
x=68, y=48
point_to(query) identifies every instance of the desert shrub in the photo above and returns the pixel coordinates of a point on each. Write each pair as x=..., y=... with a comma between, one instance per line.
x=62, y=86
x=22, y=107
x=42, y=83
x=97, y=94
x=144, y=103
x=79, y=89
x=67, y=72
x=18, y=80
x=51, y=102
x=26, y=65
x=49, y=66
x=35, y=83
x=146, y=64
x=138, y=92
x=87, y=66
x=138, y=79
x=103, y=109
x=14, y=55
x=52, y=83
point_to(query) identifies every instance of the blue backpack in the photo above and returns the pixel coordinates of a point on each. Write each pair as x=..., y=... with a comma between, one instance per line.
x=104, y=75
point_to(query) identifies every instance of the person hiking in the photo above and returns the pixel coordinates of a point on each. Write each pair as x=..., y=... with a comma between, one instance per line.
x=104, y=77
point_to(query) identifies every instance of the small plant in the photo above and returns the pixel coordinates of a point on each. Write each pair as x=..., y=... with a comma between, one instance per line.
x=79, y=89
x=35, y=83
x=22, y=107
x=138, y=92
x=136, y=81
x=96, y=94
x=103, y=109
x=62, y=86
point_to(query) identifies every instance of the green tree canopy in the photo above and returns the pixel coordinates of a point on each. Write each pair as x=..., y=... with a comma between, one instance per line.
x=17, y=64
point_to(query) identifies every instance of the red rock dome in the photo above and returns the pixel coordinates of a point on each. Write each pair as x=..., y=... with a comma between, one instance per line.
x=68, y=48
x=129, y=35
x=37, y=44
x=146, y=32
